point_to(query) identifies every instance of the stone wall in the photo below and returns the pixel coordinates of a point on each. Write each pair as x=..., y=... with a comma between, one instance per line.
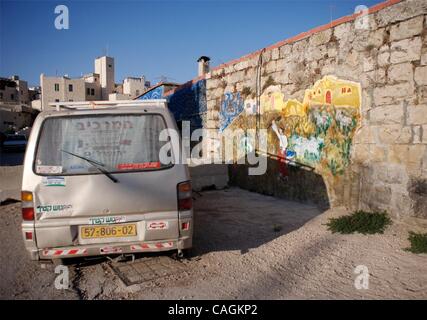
x=384, y=56
x=344, y=107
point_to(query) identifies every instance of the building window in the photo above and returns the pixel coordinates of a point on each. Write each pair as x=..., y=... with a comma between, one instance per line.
x=137, y=92
x=56, y=86
x=92, y=92
x=56, y=100
x=12, y=96
x=71, y=100
x=87, y=91
x=70, y=87
x=1, y=95
x=109, y=66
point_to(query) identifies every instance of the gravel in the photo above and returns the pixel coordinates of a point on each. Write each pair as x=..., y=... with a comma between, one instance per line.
x=247, y=246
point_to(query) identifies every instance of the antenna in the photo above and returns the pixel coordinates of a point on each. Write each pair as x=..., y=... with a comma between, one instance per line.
x=331, y=7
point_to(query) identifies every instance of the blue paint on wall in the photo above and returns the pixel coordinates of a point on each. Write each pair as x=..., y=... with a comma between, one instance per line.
x=231, y=106
x=186, y=104
x=189, y=103
x=156, y=93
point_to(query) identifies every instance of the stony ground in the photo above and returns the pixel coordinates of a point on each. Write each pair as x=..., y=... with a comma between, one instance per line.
x=247, y=246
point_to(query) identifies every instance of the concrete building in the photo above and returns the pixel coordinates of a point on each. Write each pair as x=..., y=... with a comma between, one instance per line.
x=55, y=89
x=15, y=104
x=90, y=87
x=104, y=66
x=98, y=85
x=14, y=117
x=134, y=87
x=14, y=91
x=118, y=96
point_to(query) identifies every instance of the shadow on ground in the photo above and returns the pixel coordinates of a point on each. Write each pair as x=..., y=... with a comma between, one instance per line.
x=236, y=219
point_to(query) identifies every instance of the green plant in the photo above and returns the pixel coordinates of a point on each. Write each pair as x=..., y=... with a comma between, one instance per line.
x=361, y=222
x=418, y=242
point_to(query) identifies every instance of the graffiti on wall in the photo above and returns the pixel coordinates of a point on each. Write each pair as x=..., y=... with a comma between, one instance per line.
x=316, y=132
x=189, y=103
x=186, y=103
x=231, y=107
x=155, y=93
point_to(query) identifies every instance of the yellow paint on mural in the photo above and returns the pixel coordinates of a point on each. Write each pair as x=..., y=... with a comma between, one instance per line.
x=333, y=91
x=318, y=130
x=294, y=108
x=272, y=101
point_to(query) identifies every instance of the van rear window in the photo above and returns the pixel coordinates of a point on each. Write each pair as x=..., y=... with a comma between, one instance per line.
x=116, y=143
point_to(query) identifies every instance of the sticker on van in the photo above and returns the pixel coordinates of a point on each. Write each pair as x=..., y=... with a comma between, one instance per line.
x=54, y=208
x=133, y=166
x=49, y=169
x=158, y=225
x=107, y=220
x=53, y=181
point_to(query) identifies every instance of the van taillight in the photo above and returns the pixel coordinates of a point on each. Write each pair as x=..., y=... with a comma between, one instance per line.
x=185, y=201
x=185, y=226
x=27, y=205
x=28, y=213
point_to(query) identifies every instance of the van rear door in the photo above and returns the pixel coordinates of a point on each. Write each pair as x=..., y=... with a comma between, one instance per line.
x=103, y=168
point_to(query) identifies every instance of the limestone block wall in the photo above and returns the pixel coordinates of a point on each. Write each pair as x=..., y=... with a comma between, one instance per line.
x=345, y=109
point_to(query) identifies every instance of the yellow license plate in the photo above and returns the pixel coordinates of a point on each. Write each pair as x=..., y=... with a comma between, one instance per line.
x=114, y=231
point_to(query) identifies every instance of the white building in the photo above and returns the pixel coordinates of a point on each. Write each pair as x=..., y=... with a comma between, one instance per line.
x=133, y=86
x=104, y=66
x=15, y=100
x=98, y=85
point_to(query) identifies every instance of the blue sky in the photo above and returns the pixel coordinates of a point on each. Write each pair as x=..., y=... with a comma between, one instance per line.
x=151, y=38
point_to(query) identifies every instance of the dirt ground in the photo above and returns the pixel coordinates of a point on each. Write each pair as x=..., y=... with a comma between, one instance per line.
x=247, y=246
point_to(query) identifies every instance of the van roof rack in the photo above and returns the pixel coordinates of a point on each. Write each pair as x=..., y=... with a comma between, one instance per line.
x=82, y=105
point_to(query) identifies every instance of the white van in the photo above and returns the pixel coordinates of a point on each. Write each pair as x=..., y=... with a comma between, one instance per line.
x=93, y=183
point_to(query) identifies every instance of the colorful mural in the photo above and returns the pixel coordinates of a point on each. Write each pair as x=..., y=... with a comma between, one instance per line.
x=316, y=132
x=189, y=103
x=231, y=107
x=155, y=93
x=186, y=103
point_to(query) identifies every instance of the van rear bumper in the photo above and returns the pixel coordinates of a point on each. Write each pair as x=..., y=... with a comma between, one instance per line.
x=111, y=248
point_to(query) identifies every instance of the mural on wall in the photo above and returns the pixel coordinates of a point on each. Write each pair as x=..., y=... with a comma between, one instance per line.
x=316, y=132
x=186, y=103
x=189, y=103
x=155, y=93
x=231, y=107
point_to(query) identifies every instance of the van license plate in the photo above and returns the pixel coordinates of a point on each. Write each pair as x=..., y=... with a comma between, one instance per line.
x=114, y=231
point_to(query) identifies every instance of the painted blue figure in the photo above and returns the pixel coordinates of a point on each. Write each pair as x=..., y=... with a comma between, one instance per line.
x=231, y=107
x=156, y=93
